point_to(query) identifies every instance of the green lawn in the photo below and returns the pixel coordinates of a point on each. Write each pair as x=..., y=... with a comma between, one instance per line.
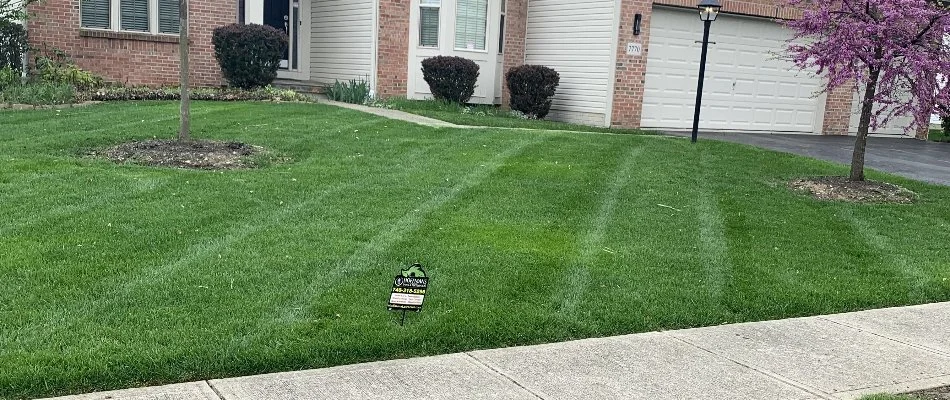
x=486, y=115
x=119, y=275
x=937, y=135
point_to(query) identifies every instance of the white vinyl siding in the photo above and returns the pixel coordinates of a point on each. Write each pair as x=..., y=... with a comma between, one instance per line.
x=471, y=24
x=576, y=40
x=341, y=40
x=895, y=128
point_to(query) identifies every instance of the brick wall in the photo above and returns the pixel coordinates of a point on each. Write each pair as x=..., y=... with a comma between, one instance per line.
x=516, y=18
x=132, y=58
x=392, y=54
x=838, y=111
x=631, y=70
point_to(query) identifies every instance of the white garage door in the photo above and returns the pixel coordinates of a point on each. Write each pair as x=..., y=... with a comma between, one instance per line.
x=747, y=87
x=894, y=128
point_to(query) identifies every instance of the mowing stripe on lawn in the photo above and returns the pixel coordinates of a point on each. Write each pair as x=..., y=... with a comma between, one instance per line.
x=577, y=281
x=362, y=258
x=714, y=247
x=241, y=231
x=245, y=229
x=66, y=132
x=68, y=210
x=912, y=275
x=65, y=211
x=141, y=278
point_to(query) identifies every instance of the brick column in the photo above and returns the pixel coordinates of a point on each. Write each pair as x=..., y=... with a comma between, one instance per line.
x=838, y=104
x=392, y=54
x=631, y=71
x=516, y=19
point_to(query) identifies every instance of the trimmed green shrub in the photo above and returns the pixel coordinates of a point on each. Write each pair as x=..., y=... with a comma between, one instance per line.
x=356, y=91
x=250, y=54
x=532, y=88
x=450, y=78
x=13, y=45
x=54, y=66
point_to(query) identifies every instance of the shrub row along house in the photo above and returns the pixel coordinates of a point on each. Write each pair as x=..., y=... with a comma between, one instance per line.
x=623, y=63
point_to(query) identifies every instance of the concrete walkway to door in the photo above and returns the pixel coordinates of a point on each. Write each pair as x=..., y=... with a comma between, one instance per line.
x=915, y=159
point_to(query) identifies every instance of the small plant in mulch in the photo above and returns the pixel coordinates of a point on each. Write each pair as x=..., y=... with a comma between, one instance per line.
x=194, y=154
x=839, y=188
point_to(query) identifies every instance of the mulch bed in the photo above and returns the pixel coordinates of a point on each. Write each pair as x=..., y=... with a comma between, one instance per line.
x=839, y=188
x=941, y=393
x=203, y=154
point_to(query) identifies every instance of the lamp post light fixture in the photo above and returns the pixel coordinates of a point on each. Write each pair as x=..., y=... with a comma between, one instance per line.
x=708, y=11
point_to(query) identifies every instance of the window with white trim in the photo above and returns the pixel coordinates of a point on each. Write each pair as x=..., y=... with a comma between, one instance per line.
x=471, y=24
x=501, y=30
x=146, y=16
x=429, y=22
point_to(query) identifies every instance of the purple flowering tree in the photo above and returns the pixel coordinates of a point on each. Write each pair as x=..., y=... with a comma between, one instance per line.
x=897, y=51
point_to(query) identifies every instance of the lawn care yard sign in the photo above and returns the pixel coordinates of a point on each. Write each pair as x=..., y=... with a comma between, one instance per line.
x=409, y=290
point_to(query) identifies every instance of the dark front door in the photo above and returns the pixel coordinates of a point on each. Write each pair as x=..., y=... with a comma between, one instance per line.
x=277, y=15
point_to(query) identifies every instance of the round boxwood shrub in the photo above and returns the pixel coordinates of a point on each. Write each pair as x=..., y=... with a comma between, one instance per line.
x=250, y=54
x=532, y=88
x=450, y=78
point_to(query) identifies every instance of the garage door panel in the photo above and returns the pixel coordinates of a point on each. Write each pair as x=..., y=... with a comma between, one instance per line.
x=746, y=88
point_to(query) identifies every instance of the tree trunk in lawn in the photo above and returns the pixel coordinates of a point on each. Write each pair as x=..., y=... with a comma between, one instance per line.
x=184, y=132
x=861, y=143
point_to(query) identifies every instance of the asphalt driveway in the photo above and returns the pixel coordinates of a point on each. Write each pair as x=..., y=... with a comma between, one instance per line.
x=915, y=159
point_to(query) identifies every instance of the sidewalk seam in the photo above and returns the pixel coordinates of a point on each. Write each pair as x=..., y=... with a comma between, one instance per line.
x=510, y=379
x=762, y=371
x=214, y=389
x=872, y=333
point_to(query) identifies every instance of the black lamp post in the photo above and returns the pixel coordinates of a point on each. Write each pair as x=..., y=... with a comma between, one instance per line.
x=708, y=11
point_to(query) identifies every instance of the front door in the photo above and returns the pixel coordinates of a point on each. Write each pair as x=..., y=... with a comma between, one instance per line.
x=285, y=16
x=464, y=28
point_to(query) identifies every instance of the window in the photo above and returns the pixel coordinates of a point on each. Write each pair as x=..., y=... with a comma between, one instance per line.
x=501, y=30
x=168, y=16
x=429, y=22
x=148, y=16
x=134, y=16
x=95, y=14
x=471, y=21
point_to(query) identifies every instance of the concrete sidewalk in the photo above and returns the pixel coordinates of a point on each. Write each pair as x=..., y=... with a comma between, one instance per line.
x=829, y=357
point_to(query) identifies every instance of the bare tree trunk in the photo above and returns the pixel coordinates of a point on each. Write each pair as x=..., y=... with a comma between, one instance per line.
x=860, y=145
x=184, y=133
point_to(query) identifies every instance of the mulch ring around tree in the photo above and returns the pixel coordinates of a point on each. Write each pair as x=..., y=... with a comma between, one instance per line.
x=941, y=393
x=196, y=154
x=839, y=188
